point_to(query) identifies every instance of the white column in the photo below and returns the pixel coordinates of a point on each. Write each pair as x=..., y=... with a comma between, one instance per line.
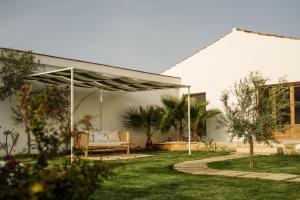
x=100, y=110
x=72, y=112
x=189, y=120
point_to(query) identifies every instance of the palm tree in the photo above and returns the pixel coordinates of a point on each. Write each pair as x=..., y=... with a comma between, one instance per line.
x=199, y=115
x=147, y=119
x=176, y=111
x=175, y=115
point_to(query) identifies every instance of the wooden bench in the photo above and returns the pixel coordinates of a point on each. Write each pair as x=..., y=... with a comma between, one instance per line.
x=84, y=142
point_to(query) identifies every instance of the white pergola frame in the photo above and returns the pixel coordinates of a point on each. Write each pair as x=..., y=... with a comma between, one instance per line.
x=72, y=107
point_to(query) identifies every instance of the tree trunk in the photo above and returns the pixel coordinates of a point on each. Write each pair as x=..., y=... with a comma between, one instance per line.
x=28, y=142
x=194, y=136
x=27, y=129
x=251, y=164
x=149, y=143
x=181, y=134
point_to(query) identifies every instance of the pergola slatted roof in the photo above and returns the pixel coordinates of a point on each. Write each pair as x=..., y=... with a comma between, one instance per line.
x=89, y=79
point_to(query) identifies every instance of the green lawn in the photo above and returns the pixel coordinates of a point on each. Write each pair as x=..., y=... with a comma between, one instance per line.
x=154, y=178
x=276, y=163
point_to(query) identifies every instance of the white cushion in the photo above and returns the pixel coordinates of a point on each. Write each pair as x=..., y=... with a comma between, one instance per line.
x=100, y=137
x=91, y=137
x=113, y=136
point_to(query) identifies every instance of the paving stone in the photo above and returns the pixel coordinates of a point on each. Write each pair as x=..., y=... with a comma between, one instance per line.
x=200, y=167
x=294, y=179
x=270, y=176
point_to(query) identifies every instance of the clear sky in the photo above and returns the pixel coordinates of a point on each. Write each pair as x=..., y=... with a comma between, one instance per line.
x=149, y=35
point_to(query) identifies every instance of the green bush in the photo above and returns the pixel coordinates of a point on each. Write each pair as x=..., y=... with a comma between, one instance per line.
x=64, y=181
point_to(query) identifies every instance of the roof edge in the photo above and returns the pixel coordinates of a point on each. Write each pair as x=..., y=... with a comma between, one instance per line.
x=89, y=62
x=267, y=34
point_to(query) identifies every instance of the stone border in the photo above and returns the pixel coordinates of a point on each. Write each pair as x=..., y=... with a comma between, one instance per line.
x=200, y=167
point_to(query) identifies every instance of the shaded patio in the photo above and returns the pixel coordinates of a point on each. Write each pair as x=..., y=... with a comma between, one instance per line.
x=104, y=82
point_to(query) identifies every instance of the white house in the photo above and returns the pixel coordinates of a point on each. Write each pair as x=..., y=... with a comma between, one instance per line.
x=217, y=66
x=208, y=71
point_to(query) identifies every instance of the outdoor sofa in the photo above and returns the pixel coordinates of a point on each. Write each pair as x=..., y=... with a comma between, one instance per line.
x=102, y=141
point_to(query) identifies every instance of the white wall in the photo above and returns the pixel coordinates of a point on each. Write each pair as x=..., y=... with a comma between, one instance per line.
x=217, y=66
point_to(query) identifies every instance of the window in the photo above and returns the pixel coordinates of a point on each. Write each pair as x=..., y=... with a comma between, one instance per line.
x=297, y=105
x=286, y=119
x=201, y=95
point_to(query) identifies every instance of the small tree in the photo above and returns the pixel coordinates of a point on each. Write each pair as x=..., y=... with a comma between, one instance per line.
x=256, y=110
x=147, y=119
x=15, y=67
x=46, y=113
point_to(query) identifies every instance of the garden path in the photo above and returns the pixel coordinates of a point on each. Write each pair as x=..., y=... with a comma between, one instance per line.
x=200, y=167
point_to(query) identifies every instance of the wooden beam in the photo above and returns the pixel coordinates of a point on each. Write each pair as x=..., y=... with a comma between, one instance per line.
x=292, y=108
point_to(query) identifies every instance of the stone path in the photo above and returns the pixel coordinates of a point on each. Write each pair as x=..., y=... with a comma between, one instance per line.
x=200, y=167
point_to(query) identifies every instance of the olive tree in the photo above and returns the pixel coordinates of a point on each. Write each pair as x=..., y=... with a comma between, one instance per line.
x=254, y=110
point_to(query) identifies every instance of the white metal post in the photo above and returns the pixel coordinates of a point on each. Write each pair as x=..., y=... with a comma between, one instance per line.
x=72, y=112
x=100, y=111
x=189, y=120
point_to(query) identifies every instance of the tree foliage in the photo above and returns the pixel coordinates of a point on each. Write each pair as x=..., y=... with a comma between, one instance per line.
x=253, y=110
x=15, y=67
x=45, y=113
x=148, y=119
x=61, y=181
x=199, y=115
x=175, y=115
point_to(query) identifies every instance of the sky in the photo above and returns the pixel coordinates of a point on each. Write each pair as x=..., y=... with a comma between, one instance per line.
x=148, y=35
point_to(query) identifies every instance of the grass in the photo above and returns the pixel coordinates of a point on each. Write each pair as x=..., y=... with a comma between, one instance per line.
x=154, y=178
x=275, y=163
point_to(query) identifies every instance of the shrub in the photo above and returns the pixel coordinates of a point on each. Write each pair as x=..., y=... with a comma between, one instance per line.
x=10, y=140
x=76, y=181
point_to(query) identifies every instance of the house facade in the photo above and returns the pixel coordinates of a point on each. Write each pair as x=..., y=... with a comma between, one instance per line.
x=217, y=66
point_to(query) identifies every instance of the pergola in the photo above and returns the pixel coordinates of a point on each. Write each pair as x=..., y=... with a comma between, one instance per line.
x=103, y=81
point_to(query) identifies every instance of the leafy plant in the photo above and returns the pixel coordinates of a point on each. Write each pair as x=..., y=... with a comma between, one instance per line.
x=199, y=115
x=256, y=111
x=210, y=145
x=175, y=115
x=16, y=67
x=62, y=181
x=44, y=110
x=10, y=140
x=147, y=119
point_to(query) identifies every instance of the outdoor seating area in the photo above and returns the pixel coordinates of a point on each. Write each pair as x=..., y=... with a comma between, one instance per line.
x=102, y=141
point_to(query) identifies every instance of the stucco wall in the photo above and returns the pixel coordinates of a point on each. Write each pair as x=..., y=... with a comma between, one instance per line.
x=217, y=66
